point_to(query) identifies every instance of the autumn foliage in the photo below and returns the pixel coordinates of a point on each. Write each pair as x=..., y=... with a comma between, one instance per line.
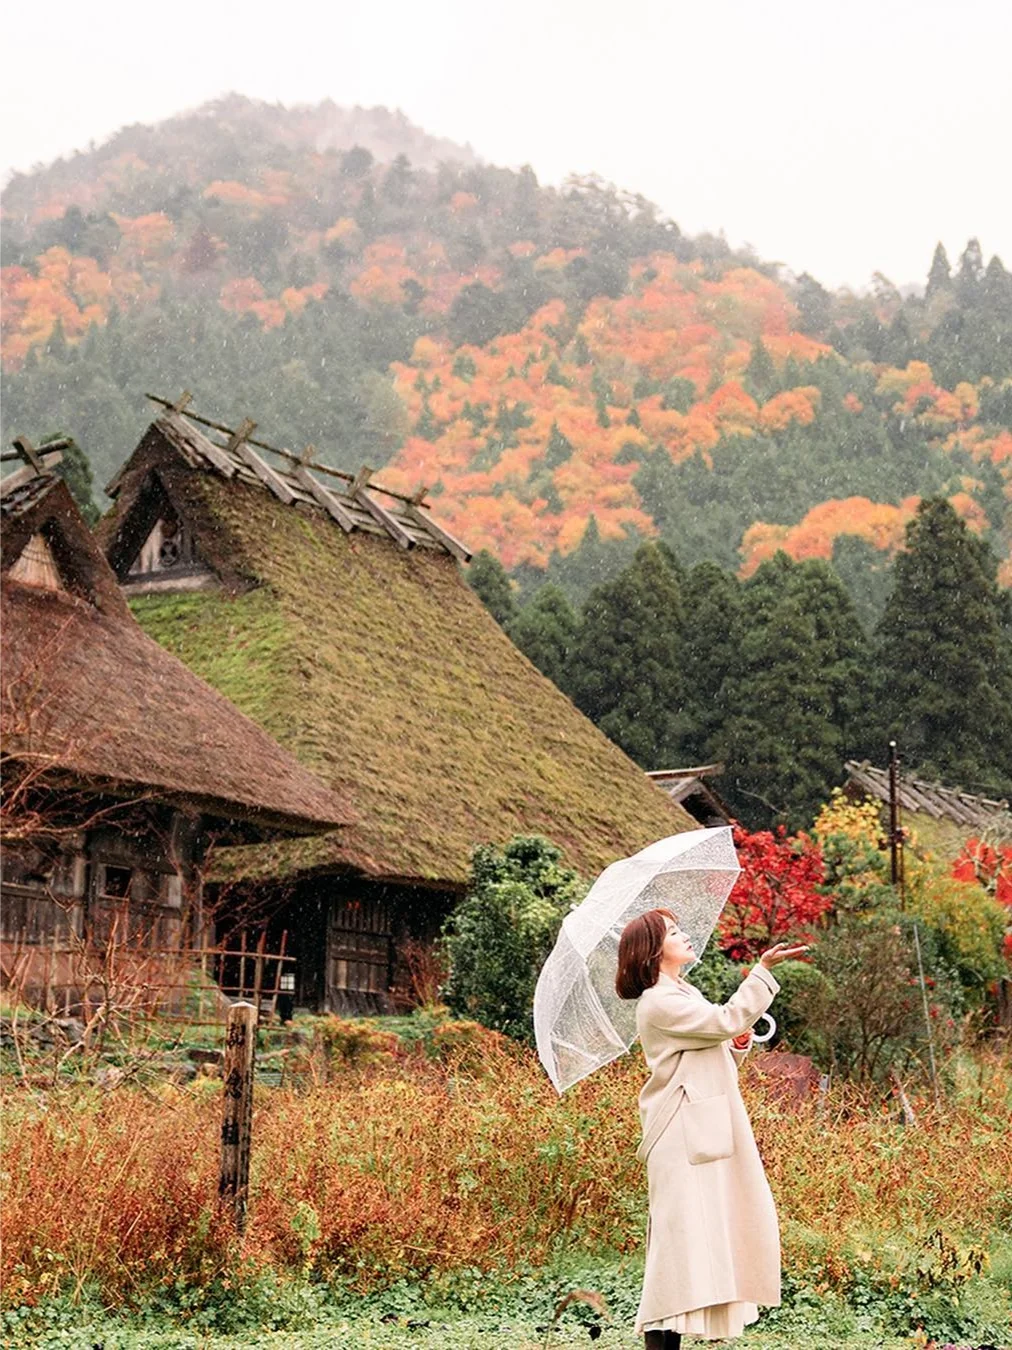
x=990, y=866
x=551, y=349
x=417, y=1169
x=776, y=897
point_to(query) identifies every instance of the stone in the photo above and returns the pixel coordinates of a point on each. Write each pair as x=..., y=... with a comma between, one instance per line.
x=792, y=1079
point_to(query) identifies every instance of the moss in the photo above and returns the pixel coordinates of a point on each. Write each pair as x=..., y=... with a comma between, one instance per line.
x=383, y=673
x=240, y=645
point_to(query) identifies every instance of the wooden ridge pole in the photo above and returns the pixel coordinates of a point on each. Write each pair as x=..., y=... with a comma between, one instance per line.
x=302, y=460
x=237, y=1112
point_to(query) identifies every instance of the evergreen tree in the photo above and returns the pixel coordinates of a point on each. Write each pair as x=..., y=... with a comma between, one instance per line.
x=944, y=655
x=488, y=579
x=866, y=573
x=760, y=373
x=558, y=449
x=545, y=630
x=940, y=275
x=710, y=652
x=794, y=706
x=970, y=274
x=625, y=672
x=596, y=560
x=75, y=470
x=815, y=305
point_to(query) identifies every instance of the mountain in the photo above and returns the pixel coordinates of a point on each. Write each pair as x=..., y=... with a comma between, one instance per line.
x=563, y=369
x=224, y=139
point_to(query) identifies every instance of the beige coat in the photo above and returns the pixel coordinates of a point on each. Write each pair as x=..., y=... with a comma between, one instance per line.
x=712, y=1236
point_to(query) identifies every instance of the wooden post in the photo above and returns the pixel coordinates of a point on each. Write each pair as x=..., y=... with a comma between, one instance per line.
x=909, y=1119
x=277, y=973
x=242, y=964
x=237, y=1113
x=897, y=868
x=50, y=1005
x=258, y=972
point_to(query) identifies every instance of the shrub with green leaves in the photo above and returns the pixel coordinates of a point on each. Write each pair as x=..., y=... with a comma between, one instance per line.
x=498, y=937
x=715, y=975
x=865, y=1015
x=967, y=925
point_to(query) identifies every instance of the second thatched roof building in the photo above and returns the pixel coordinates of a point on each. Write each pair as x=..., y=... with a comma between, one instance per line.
x=336, y=615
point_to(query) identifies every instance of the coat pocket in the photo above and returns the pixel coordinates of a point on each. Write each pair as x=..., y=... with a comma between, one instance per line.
x=707, y=1127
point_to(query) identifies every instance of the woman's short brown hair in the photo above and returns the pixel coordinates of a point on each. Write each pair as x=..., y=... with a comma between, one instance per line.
x=639, y=952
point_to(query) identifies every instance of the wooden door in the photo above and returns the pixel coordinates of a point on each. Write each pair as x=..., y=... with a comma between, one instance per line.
x=359, y=953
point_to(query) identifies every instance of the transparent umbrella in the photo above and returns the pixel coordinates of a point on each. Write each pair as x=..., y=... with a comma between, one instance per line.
x=580, y=1022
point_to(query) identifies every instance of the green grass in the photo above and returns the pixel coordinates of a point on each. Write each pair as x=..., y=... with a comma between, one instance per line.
x=461, y=1334
x=467, y=1309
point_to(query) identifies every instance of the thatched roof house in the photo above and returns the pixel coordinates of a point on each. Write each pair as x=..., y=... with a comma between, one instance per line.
x=111, y=736
x=942, y=817
x=335, y=614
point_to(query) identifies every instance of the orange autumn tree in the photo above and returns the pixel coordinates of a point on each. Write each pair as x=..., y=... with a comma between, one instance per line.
x=536, y=432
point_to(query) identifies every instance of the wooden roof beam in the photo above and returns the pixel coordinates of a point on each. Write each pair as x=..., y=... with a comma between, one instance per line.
x=358, y=493
x=18, y=479
x=325, y=498
x=242, y=433
x=452, y=545
x=264, y=472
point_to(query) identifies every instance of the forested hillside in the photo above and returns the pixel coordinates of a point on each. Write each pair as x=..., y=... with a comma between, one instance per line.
x=567, y=372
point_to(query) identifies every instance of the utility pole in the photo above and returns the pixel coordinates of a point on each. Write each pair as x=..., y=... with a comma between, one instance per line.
x=895, y=832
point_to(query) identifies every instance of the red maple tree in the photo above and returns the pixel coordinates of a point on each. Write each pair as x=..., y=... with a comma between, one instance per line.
x=776, y=896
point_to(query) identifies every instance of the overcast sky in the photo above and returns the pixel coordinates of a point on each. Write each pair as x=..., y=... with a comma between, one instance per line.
x=840, y=138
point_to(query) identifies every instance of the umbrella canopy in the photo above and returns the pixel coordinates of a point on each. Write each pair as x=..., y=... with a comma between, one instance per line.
x=580, y=1022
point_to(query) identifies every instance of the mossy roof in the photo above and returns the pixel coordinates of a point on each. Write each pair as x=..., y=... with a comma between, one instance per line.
x=380, y=669
x=87, y=695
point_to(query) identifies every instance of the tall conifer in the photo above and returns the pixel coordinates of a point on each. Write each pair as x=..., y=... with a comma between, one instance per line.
x=488, y=579
x=795, y=706
x=940, y=275
x=710, y=652
x=944, y=655
x=545, y=630
x=626, y=673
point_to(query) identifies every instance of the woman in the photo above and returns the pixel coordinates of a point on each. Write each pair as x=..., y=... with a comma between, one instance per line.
x=713, y=1246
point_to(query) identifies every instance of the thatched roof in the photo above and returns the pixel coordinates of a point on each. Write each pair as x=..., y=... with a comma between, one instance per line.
x=34, y=504
x=688, y=787
x=376, y=664
x=88, y=696
x=931, y=799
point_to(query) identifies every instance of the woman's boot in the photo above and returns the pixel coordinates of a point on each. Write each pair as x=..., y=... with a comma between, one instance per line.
x=661, y=1340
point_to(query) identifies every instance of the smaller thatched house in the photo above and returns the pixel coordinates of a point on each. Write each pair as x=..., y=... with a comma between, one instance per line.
x=119, y=763
x=943, y=818
x=335, y=614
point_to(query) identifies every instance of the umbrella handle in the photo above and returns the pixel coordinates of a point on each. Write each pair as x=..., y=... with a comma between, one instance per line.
x=769, y=1033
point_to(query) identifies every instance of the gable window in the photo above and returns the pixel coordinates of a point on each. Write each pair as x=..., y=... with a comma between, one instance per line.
x=169, y=547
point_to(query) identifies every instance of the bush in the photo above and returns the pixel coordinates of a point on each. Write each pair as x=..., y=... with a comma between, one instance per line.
x=968, y=926
x=803, y=989
x=715, y=975
x=779, y=893
x=866, y=1015
x=354, y=1043
x=499, y=936
x=856, y=868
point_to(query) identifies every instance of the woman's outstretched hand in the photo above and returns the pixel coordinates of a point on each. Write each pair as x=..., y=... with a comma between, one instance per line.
x=781, y=951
